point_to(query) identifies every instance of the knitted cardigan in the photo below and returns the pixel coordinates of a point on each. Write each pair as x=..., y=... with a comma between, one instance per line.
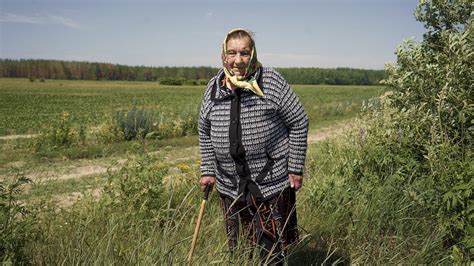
x=251, y=143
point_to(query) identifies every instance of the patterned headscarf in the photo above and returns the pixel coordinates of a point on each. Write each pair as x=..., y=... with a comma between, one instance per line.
x=246, y=81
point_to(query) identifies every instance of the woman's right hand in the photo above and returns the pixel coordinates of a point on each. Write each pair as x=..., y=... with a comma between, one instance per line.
x=207, y=181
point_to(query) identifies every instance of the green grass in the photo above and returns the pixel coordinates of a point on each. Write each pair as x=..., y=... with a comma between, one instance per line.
x=22, y=150
x=114, y=230
x=27, y=106
x=336, y=223
x=327, y=105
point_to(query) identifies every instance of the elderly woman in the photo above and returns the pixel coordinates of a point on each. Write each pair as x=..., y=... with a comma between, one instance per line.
x=252, y=136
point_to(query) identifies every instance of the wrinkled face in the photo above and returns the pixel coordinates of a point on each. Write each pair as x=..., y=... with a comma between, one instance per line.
x=238, y=55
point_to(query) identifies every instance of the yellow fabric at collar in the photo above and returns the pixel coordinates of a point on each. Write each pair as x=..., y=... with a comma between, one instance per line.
x=240, y=81
x=251, y=84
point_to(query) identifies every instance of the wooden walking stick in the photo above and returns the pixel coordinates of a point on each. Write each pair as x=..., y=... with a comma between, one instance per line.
x=198, y=223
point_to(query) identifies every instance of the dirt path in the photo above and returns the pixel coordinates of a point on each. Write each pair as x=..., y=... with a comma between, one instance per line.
x=26, y=136
x=86, y=168
x=82, y=169
x=324, y=133
x=91, y=168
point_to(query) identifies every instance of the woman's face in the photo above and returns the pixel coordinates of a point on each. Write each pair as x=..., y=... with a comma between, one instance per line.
x=238, y=55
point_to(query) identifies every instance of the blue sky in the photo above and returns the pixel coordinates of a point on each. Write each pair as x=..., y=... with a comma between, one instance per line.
x=319, y=33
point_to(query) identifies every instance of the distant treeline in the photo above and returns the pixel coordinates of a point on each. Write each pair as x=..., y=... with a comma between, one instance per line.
x=56, y=69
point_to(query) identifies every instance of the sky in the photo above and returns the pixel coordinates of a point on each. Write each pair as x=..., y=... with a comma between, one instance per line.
x=298, y=33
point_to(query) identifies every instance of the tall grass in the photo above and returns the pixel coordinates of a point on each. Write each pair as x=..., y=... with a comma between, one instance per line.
x=375, y=219
x=144, y=215
x=147, y=211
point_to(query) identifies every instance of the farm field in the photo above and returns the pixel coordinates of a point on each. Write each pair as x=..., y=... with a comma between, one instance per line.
x=27, y=107
x=62, y=110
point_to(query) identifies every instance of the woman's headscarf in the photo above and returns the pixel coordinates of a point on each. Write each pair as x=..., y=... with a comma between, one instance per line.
x=247, y=80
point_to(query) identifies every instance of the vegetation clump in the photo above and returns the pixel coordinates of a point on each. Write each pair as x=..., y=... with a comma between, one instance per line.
x=16, y=221
x=135, y=124
x=62, y=133
x=404, y=182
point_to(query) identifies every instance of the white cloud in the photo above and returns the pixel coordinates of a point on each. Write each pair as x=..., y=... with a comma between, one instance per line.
x=64, y=21
x=38, y=20
x=209, y=14
x=8, y=17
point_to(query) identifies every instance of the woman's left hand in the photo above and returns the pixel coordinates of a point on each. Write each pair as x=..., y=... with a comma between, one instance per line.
x=296, y=181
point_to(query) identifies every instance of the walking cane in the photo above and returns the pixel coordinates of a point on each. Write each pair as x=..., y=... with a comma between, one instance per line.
x=198, y=223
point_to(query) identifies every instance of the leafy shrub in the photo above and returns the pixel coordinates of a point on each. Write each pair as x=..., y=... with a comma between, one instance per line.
x=137, y=186
x=202, y=81
x=172, y=81
x=134, y=124
x=432, y=85
x=404, y=184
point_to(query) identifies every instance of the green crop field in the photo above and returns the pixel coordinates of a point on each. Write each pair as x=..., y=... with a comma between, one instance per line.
x=87, y=192
x=26, y=106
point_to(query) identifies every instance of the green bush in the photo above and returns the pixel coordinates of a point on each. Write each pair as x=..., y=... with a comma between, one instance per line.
x=432, y=94
x=401, y=190
x=134, y=124
x=172, y=81
x=137, y=186
x=202, y=82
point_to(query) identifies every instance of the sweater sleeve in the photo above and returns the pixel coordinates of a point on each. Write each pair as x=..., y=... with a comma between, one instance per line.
x=208, y=158
x=295, y=118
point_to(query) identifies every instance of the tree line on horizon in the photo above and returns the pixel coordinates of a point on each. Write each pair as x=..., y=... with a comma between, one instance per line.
x=76, y=70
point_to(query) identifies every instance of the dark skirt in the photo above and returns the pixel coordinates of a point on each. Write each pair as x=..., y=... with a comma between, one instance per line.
x=270, y=224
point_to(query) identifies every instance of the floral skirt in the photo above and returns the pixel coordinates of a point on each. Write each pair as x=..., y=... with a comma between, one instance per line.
x=270, y=224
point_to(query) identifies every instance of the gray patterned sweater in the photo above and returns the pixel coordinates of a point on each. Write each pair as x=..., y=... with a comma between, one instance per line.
x=251, y=143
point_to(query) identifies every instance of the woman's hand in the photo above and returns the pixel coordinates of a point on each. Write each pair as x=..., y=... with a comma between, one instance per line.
x=296, y=181
x=207, y=181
